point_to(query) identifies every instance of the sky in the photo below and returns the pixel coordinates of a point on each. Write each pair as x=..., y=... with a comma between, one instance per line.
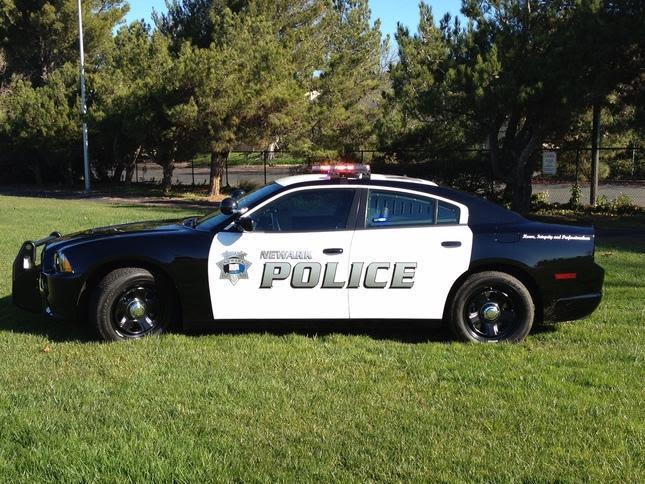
x=389, y=11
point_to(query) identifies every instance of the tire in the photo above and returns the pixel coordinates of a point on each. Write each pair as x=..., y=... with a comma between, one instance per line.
x=131, y=303
x=490, y=307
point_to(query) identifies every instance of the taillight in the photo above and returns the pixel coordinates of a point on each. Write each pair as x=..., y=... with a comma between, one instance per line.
x=563, y=276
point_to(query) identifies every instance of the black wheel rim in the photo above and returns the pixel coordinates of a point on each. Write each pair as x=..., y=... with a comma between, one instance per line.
x=492, y=312
x=137, y=311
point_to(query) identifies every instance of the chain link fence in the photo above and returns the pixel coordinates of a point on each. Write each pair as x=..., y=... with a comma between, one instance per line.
x=621, y=171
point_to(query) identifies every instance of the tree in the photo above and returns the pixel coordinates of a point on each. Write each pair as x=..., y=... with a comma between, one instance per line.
x=124, y=95
x=348, y=91
x=423, y=88
x=520, y=72
x=245, y=89
x=251, y=80
x=40, y=36
x=39, y=124
x=40, y=129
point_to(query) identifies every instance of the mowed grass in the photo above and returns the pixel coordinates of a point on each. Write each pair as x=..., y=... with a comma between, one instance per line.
x=565, y=405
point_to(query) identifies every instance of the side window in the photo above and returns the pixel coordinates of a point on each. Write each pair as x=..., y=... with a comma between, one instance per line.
x=306, y=211
x=447, y=213
x=387, y=209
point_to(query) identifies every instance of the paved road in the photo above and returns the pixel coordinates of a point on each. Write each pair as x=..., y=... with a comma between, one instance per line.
x=184, y=175
x=560, y=192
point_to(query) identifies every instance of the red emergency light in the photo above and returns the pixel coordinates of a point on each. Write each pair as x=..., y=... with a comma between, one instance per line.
x=343, y=170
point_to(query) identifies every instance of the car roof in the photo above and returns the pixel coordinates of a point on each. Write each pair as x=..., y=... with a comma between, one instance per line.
x=318, y=177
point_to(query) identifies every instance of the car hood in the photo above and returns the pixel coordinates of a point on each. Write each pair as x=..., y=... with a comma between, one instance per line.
x=122, y=230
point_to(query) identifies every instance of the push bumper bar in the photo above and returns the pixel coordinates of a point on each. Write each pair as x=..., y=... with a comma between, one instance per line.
x=26, y=275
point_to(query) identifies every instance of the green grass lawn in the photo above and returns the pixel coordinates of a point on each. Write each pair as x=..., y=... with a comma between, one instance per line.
x=565, y=405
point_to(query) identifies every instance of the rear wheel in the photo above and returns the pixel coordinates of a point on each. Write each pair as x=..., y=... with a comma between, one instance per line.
x=131, y=303
x=490, y=307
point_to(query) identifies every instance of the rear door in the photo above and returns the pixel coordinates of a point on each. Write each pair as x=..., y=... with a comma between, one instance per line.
x=293, y=265
x=412, y=248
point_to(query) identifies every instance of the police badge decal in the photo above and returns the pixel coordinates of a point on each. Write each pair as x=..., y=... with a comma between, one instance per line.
x=234, y=266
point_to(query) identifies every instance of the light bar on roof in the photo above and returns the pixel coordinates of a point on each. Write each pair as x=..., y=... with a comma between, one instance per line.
x=343, y=170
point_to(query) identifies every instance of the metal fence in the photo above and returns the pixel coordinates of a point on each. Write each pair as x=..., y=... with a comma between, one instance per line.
x=621, y=176
x=622, y=170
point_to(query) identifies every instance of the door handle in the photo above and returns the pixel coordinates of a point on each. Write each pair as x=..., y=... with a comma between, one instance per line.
x=333, y=251
x=451, y=244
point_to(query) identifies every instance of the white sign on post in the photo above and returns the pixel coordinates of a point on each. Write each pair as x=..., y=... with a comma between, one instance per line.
x=549, y=162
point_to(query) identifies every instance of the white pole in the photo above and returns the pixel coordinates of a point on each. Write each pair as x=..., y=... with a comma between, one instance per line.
x=86, y=157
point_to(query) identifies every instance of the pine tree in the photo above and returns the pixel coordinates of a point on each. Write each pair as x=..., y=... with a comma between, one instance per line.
x=347, y=94
x=39, y=79
x=518, y=74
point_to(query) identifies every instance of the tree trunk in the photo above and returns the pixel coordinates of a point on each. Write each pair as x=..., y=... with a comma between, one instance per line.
x=129, y=173
x=595, y=154
x=521, y=185
x=521, y=191
x=166, y=183
x=118, y=171
x=218, y=159
x=271, y=151
x=131, y=167
x=117, y=160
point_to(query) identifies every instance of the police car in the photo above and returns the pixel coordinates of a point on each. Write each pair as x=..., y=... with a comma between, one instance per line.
x=336, y=244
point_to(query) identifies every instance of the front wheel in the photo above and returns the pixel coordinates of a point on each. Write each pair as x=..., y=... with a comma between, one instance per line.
x=490, y=307
x=131, y=303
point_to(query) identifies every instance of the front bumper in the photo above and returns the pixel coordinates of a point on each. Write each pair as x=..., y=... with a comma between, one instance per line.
x=57, y=295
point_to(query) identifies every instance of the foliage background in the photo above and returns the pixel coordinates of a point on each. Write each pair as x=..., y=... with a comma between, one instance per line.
x=316, y=78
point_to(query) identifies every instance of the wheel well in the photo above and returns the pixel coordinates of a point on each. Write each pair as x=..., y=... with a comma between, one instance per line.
x=520, y=274
x=100, y=272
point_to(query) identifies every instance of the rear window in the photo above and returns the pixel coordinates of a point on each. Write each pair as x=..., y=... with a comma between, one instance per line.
x=447, y=213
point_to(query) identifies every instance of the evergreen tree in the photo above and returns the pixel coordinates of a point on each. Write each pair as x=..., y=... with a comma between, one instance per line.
x=39, y=36
x=251, y=79
x=39, y=79
x=518, y=74
x=347, y=95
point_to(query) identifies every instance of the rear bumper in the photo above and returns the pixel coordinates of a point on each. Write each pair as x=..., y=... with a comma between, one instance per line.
x=577, y=307
x=568, y=300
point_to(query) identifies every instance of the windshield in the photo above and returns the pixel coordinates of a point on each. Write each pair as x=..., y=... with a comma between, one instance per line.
x=247, y=201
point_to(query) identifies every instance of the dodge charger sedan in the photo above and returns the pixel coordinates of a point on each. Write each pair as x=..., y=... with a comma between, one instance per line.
x=337, y=244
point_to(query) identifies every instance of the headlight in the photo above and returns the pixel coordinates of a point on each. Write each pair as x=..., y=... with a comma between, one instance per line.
x=62, y=264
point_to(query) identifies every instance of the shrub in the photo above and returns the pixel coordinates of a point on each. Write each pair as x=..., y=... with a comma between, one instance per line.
x=576, y=196
x=621, y=205
x=540, y=200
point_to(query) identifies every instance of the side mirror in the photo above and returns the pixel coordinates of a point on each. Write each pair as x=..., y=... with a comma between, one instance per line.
x=247, y=224
x=229, y=206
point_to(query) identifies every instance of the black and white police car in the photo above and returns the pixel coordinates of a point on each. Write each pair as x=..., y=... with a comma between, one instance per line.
x=340, y=243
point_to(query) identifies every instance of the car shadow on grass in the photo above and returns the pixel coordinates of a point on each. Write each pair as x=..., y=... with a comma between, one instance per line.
x=16, y=320
x=402, y=331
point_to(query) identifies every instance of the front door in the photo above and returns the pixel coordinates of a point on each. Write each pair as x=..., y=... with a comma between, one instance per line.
x=293, y=265
x=412, y=248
